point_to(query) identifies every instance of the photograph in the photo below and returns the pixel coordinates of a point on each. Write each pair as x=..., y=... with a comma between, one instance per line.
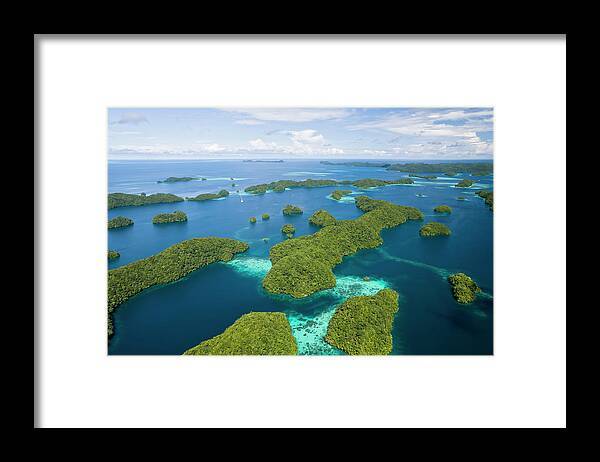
x=300, y=231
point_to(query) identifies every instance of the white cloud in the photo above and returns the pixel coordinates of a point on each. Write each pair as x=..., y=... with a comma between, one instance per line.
x=307, y=137
x=132, y=118
x=249, y=122
x=292, y=114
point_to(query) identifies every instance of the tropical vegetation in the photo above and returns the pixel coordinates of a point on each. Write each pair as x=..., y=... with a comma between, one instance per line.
x=303, y=265
x=176, y=179
x=464, y=288
x=255, y=333
x=265, y=216
x=209, y=196
x=362, y=325
x=119, y=222
x=488, y=197
x=124, y=200
x=434, y=229
x=174, y=217
x=252, y=220
x=339, y=193
x=322, y=218
x=443, y=209
x=464, y=184
x=288, y=229
x=292, y=210
x=112, y=254
x=451, y=169
x=167, y=266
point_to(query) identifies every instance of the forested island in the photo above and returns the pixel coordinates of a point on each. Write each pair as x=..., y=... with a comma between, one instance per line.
x=119, y=222
x=434, y=229
x=265, y=216
x=303, y=265
x=423, y=177
x=175, y=217
x=475, y=168
x=252, y=220
x=488, y=197
x=322, y=218
x=292, y=210
x=167, y=266
x=288, y=229
x=356, y=164
x=209, y=196
x=176, y=179
x=281, y=185
x=464, y=288
x=339, y=193
x=362, y=325
x=464, y=184
x=255, y=333
x=443, y=209
x=112, y=254
x=124, y=200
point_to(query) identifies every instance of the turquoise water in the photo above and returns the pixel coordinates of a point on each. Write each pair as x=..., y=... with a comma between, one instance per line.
x=170, y=319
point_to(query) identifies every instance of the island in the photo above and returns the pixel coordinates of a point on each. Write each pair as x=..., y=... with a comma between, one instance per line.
x=209, y=196
x=488, y=197
x=443, y=209
x=292, y=210
x=362, y=325
x=447, y=168
x=112, y=254
x=268, y=161
x=167, y=266
x=176, y=179
x=125, y=200
x=119, y=222
x=368, y=183
x=288, y=229
x=434, y=229
x=255, y=333
x=423, y=177
x=464, y=184
x=175, y=217
x=357, y=164
x=464, y=288
x=303, y=266
x=461, y=198
x=265, y=216
x=252, y=220
x=322, y=218
x=339, y=193
x=282, y=185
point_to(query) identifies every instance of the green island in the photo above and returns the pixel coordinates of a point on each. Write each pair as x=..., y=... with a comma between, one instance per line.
x=434, y=229
x=209, y=196
x=362, y=325
x=112, y=254
x=356, y=164
x=176, y=179
x=167, y=266
x=303, y=266
x=322, y=218
x=252, y=220
x=282, y=185
x=339, y=193
x=443, y=209
x=464, y=184
x=125, y=200
x=265, y=216
x=488, y=197
x=449, y=169
x=288, y=229
x=423, y=177
x=292, y=210
x=464, y=288
x=255, y=333
x=461, y=198
x=119, y=222
x=175, y=217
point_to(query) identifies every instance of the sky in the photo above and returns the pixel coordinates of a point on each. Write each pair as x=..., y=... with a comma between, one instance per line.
x=301, y=133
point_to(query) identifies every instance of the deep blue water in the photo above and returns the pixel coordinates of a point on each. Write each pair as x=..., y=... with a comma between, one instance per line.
x=170, y=319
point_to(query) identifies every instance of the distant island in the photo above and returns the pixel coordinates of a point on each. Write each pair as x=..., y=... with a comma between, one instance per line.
x=268, y=161
x=112, y=254
x=434, y=229
x=443, y=209
x=464, y=288
x=322, y=218
x=167, y=266
x=357, y=164
x=464, y=184
x=175, y=217
x=488, y=197
x=176, y=179
x=119, y=222
x=125, y=200
x=209, y=196
x=282, y=185
x=339, y=193
x=303, y=266
x=423, y=177
x=292, y=210
x=449, y=168
x=362, y=325
x=255, y=333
